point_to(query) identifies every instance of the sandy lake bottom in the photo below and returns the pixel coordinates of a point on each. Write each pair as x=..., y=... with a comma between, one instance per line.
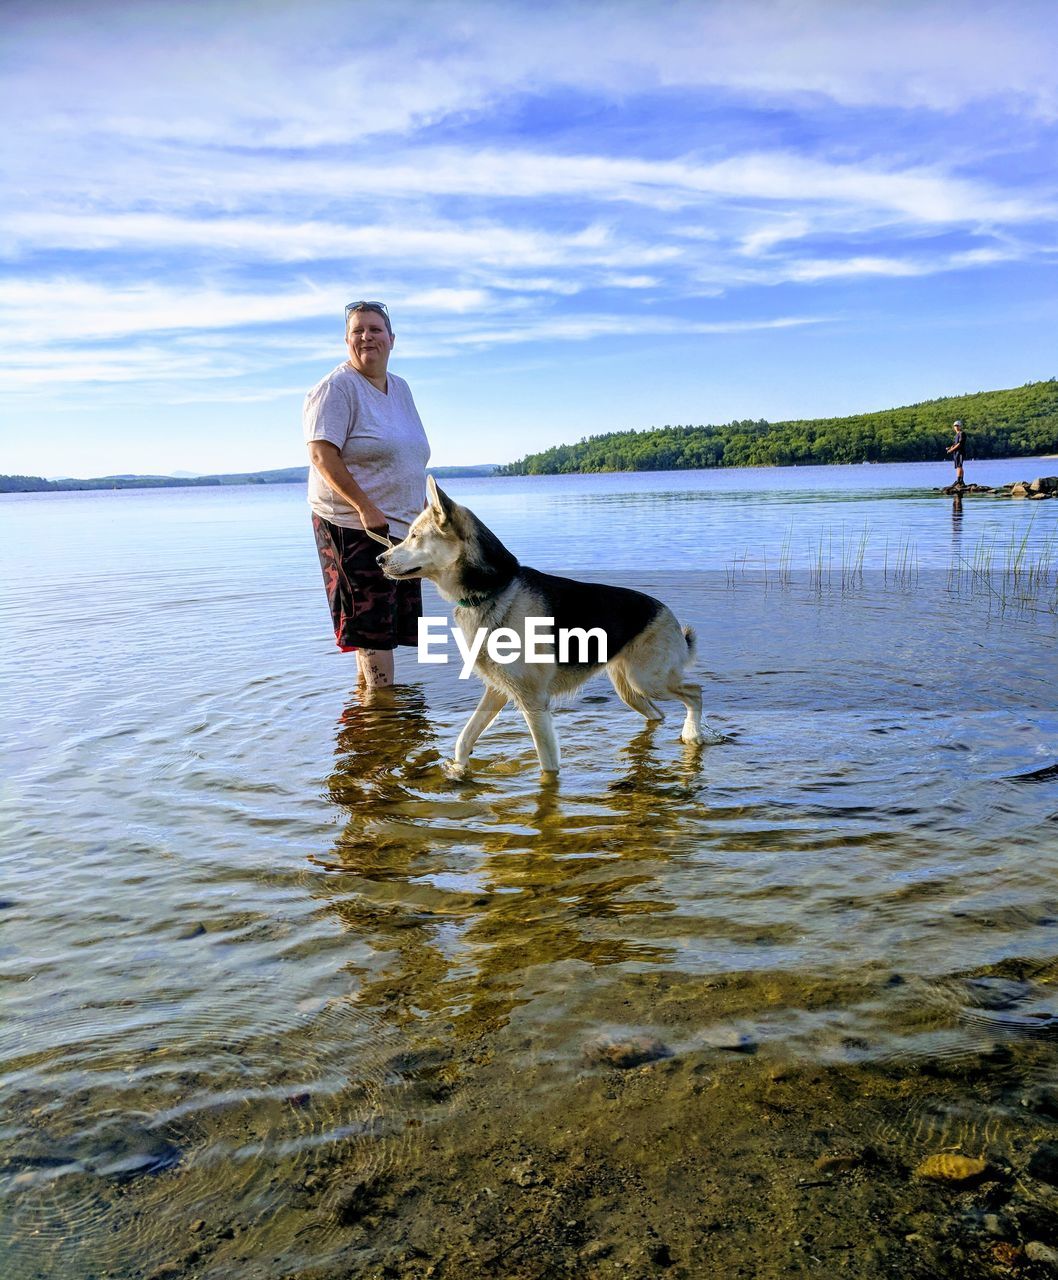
x=281, y=1000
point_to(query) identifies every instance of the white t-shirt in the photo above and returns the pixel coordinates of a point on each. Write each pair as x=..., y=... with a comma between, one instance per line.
x=381, y=440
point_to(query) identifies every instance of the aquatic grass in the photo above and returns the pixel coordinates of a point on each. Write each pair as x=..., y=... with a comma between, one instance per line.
x=1015, y=573
x=1009, y=573
x=784, y=558
x=824, y=571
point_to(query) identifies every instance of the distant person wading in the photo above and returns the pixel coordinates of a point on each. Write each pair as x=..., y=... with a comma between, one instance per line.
x=367, y=482
x=957, y=449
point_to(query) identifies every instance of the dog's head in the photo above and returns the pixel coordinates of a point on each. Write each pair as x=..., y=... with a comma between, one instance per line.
x=435, y=541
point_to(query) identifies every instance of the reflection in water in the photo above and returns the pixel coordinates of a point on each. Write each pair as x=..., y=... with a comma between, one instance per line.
x=463, y=888
x=380, y=731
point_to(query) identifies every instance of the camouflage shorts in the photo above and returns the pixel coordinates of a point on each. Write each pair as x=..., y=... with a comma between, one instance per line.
x=369, y=611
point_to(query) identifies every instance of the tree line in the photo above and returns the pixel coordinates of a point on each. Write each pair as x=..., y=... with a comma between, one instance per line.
x=1017, y=422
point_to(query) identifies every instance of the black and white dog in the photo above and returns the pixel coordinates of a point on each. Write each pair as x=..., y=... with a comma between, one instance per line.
x=646, y=650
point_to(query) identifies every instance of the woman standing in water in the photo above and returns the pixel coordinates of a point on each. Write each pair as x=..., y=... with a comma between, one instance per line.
x=367, y=482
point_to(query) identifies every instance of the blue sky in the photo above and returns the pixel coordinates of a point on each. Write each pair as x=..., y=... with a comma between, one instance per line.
x=584, y=217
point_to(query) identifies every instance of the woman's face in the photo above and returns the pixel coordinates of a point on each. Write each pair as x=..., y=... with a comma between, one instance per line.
x=369, y=343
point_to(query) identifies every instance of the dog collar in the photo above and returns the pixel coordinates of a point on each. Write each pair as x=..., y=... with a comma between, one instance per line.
x=472, y=602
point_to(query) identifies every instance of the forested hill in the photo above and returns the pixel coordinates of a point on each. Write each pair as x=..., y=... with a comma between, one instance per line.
x=999, y=424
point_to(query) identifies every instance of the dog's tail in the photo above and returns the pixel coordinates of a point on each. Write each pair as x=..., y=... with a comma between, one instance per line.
x=692, y=641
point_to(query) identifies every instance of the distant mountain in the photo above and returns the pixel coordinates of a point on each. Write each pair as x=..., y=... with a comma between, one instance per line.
x=1019, y=422
x=185, y=480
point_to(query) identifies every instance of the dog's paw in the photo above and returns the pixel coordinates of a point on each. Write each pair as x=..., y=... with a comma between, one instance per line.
x=702, y=738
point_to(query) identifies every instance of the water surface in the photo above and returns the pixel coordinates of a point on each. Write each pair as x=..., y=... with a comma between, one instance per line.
x=280, y=999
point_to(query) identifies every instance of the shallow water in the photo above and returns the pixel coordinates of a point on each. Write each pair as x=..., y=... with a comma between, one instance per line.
x=280, y=999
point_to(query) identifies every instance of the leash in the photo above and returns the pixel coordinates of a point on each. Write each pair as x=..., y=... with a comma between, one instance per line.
x=385, y=539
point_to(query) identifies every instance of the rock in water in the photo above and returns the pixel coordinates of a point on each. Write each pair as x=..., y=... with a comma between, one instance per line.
x=949, y=1167
x=1043, y=1100
x=1037, y=1251
x=729, y=1038
x=633, y=1051
x=1044, y=1163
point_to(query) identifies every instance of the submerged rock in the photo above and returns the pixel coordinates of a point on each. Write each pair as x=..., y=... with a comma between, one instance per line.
x=1007, y=1255
x=1043, y=1164
x=996, y=993
x=595, y=1250
x=135, y=1153
x=360, y=1198
x=632, y=1051
x=948, y=1166
x=1043, y=1100
x=525, y=1174
x=1037, y=1251
x=730, y=1039
x=139, y=1164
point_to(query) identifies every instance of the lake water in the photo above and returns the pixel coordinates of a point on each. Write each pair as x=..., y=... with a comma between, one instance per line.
x=280, y=999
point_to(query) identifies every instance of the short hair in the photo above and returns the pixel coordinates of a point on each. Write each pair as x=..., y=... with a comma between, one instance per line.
x=379, y=308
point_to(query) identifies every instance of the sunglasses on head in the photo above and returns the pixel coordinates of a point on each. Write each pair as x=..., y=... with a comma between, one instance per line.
x=366, y=306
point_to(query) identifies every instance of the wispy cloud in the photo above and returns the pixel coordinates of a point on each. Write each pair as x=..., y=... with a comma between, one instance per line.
x=405, y=66
x=488, y=243
x=207, y=182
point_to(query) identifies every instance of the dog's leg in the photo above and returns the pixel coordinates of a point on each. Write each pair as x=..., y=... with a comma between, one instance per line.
x=491, y=704
x=631, y=696
x=542, y=726
x=695, y=730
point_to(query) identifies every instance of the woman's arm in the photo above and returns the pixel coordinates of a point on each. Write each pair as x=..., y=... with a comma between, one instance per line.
x=327, y=460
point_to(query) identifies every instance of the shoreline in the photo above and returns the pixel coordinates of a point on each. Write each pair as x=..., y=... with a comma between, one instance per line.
x=256, y=480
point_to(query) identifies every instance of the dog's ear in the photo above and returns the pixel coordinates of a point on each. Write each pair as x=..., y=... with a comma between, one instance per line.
x=440, y=503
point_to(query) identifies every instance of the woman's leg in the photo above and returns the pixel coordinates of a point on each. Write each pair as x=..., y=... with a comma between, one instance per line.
x=376, y=667
x=364, y=605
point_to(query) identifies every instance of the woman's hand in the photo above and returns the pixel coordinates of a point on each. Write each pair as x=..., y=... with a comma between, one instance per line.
x=373, y=519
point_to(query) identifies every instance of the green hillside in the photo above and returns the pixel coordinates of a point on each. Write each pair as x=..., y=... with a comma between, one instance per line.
x=1020, y=422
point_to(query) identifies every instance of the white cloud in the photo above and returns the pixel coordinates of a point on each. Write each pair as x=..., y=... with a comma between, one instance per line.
x=483, y=242
x=810, y=270
x=772, y=233
x=458, y=301
x=324, y=73
x=580, y=328
x=833, y=269
x=203, y=183
x=64, y=309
